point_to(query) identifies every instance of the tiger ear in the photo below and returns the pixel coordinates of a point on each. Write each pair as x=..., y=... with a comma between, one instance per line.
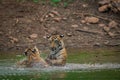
x=35, y=49
x=48, y=37
x=61, y=35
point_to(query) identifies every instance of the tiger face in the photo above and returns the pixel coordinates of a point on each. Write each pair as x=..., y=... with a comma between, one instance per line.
x=32, y=53
x=55, y=41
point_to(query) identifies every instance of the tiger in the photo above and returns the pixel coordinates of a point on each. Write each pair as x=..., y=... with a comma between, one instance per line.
x=33, y=59
x=58, y=53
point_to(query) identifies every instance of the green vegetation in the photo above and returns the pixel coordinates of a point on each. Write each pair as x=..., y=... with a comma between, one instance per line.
x=63, y=3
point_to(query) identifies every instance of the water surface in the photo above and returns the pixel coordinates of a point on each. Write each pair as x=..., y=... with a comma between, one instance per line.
x=81, y=65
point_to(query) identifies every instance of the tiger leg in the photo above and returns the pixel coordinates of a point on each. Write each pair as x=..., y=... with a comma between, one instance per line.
x=22, y=64
x=57, y=62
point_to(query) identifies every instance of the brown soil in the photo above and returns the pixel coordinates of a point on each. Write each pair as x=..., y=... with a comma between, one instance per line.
x=19, y=20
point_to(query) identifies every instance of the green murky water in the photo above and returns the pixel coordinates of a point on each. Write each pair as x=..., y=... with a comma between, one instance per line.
x=81, y=65
x=72, y=75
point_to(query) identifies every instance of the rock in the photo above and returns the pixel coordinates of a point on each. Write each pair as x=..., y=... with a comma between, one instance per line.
x=107, y=42
x=17, y=20
x=45, y=37
x=69, y=34
x=88, y=23
x=47, y=16
x=57, y=19
x=51, y=15
x=13, y=39
x=33, y=36
x=64, y=18
x=74, y=25
x=26, y=20
x=41, y=20
x=103, y=8
x=92, y=20
x=97, y=44
x=53, y=29
x=69, y=41
x=111, y=34
x=103, y=2
x=107, y=29
x=112, y=5
x=1, y=32
x=85, y=5
x=29, y=40
x=113, y=24
x=55, y=13
x=85, y=28
x=83, y=21
x=101, y=25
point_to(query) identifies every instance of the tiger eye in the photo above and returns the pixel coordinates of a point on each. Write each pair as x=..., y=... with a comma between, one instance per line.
x=34, y=50
x=25, y=53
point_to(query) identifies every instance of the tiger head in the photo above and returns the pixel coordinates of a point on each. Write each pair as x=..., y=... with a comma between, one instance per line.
x=55, y=41
x=32, y=53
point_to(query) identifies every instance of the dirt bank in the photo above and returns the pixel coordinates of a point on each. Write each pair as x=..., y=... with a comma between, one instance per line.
x=26, y=23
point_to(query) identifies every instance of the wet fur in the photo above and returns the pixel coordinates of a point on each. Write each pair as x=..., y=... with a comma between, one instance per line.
x=58, y=54
x=32, y=59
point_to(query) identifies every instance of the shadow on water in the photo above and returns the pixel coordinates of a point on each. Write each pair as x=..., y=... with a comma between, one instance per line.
x=78, y=67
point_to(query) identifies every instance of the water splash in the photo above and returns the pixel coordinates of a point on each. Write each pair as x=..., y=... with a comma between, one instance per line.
x=73, y=66
x=69, y=67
